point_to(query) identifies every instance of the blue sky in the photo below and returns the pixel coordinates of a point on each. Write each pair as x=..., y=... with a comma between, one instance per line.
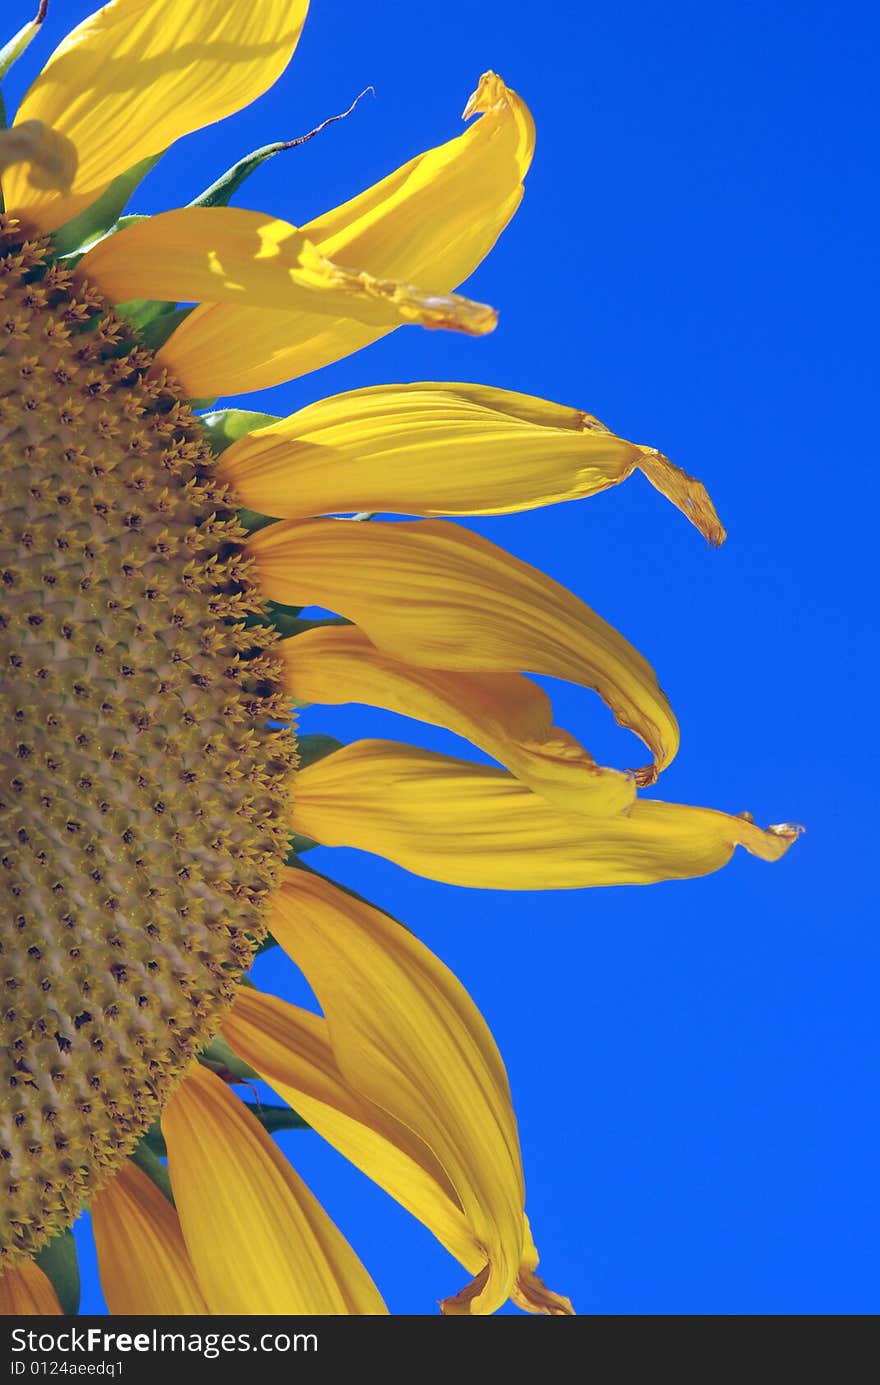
x=694, y=1064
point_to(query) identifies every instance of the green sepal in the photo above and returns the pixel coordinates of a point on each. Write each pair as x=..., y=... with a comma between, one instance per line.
x=150, y=1164
x=12, y=51
x=224, y=189
x=154, y=1140
x=288, y=625
x=314, y=748
x=104, y=214
x=250, y=520
x=298, y=844
x=60, y=1264
x=283, y=608
x=264, y=945
x=221, y=192
x=219, y=1057
x=275, y=1118
x=158, y=328
x=285, y=624
x=225, y=426
x=140, y=311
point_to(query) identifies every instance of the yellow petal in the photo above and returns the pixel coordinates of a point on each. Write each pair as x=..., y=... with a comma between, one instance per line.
x=138, y=74
x=195, y=253
x=434, y=594
x=291, y=1050
x=257, y=1239
x=503, y=713
x=407, y=1039
x=26, y=1292
x=474, y=825
x=429, y=223
x=443, y=449
x=142, y=1258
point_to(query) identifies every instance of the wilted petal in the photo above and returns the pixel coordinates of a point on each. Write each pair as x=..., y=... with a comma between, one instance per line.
x=443, y=449
x=434, y=594
x=412, y=1060
x=473, y=825
x=531, y=1293
x=257, y=1239
x=503, y=713
x=26, y=1292
x=138, y=74
x=429, y=223
x=142, y=1257
x=225, y=252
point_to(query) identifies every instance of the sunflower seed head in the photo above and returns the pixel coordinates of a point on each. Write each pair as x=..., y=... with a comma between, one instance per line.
x=143, y=798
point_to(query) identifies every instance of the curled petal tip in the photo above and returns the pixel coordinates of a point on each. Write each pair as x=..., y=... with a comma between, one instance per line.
x=685, y=492
x=457, y=314
x=788, y=831
x=462, y=1304
x=529, y=1293
x=770, y=843
x=448, y=311
x=451, y=312
x=490, y=91
x=532, y=1294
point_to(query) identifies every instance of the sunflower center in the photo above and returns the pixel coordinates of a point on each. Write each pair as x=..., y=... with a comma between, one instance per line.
x=142, y=792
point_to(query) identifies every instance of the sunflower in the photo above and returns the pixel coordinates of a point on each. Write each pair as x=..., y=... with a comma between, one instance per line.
x=156, y=558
